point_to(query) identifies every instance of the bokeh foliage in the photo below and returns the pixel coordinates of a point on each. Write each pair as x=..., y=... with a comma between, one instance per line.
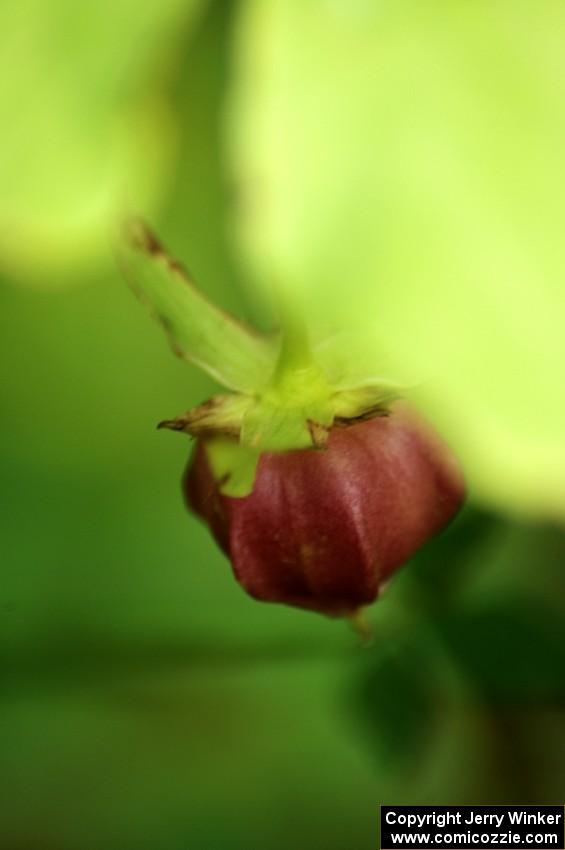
x=87, y=129
x=146, y=701
x=402, y=165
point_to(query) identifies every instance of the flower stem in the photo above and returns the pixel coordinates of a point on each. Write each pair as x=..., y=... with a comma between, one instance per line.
x=362, y=627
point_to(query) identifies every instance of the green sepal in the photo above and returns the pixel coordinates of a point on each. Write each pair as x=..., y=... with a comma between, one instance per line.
x=233, y=465
x=235, y=355
x=222, y=414
x=270, y=427
x=364, y=402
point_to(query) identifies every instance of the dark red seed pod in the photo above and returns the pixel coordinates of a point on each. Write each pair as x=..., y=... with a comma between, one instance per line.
x=323, y=530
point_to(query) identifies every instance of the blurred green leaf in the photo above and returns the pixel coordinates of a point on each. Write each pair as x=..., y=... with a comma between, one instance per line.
x=401, y=173
x=467, y=694
x=512, y=651
x=400, y=702
x=86, y=127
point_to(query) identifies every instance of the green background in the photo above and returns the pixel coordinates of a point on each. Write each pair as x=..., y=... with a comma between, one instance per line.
x=146, y=701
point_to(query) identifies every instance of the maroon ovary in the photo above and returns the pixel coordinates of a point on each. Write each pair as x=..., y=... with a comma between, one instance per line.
x=324, y=529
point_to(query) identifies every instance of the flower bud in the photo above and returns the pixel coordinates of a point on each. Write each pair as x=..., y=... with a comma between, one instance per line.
x=324, y=530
